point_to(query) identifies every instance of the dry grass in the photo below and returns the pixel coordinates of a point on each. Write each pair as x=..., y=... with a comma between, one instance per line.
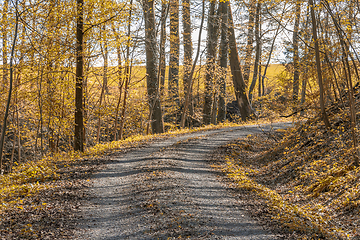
x=307, y=177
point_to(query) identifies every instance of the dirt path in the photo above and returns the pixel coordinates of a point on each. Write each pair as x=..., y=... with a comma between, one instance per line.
x=168, y=190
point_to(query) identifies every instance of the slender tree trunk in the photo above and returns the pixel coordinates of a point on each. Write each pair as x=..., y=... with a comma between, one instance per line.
x=121, y=84
x=223, y=61
x=104, y=87
x=257, y=50
x=151, y=68
x=128, y=67
x=4, y=43
x=250, y=41
x=79, y=100
x=318, y=66
x=259, y=78
x=272, y=48
x=126, y=92
x=162, y=62
x=210, y=62
x=306, y=63
x=3, y=130
x=296, y=53
x=214, y=107
x=346, y=53
x=187, y=53
x=173, y=79
x=18, y=128
x=189, y=90
x=237, y=77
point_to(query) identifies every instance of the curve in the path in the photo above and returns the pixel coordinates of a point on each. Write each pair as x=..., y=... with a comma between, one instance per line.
x=167, y=190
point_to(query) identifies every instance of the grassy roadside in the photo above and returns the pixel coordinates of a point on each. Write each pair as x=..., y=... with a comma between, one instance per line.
x=305, y=175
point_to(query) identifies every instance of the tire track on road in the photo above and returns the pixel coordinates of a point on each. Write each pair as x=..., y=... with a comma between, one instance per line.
x=167, y=190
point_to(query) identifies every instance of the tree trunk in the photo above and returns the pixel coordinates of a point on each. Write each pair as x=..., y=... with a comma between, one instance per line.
x=296, y=53
x=104, y=87
x=189, y=90
x=128, y=67
x=259, y=78
x=257, y=50
x=318, y=66
x=79, y=120
x=223, y=61
x=237, y=77
x=187, y=53
x=210, y=62
x=121, y=84
x=173, y=80
x=250, y=41
x=162, y=62
x=4, y=43
x=151, y=68
x=272, y=49
x=3, y=130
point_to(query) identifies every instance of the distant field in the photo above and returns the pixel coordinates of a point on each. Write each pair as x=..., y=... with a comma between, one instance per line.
x=273, y=70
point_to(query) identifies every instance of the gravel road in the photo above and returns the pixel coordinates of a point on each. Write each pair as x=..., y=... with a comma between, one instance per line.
x=168, y=190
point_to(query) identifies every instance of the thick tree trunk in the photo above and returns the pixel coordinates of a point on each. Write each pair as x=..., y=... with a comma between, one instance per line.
x=210, y=62
x=151, y=68
x=250, y=42
x=79, y=120
x=318, y=66
x=237, y=77
x=296, y=61
x=223, y=61
x=187, y=53
x=173, y=79
x=257, y=50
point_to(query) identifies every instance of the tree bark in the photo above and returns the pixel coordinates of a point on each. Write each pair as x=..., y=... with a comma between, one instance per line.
x=223, y=61
x=257, y=50
x=318, y=65
x=250, y=41
x=151, y=68
x=237, y=77
x=162, y=62
x=210, y=61
x=4, y=43
x=173, y=79
x=79, y=120
x=296, y=53
x=187, y=53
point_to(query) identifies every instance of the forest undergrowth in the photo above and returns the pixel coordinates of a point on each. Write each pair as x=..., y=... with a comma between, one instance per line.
x=305, y=175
